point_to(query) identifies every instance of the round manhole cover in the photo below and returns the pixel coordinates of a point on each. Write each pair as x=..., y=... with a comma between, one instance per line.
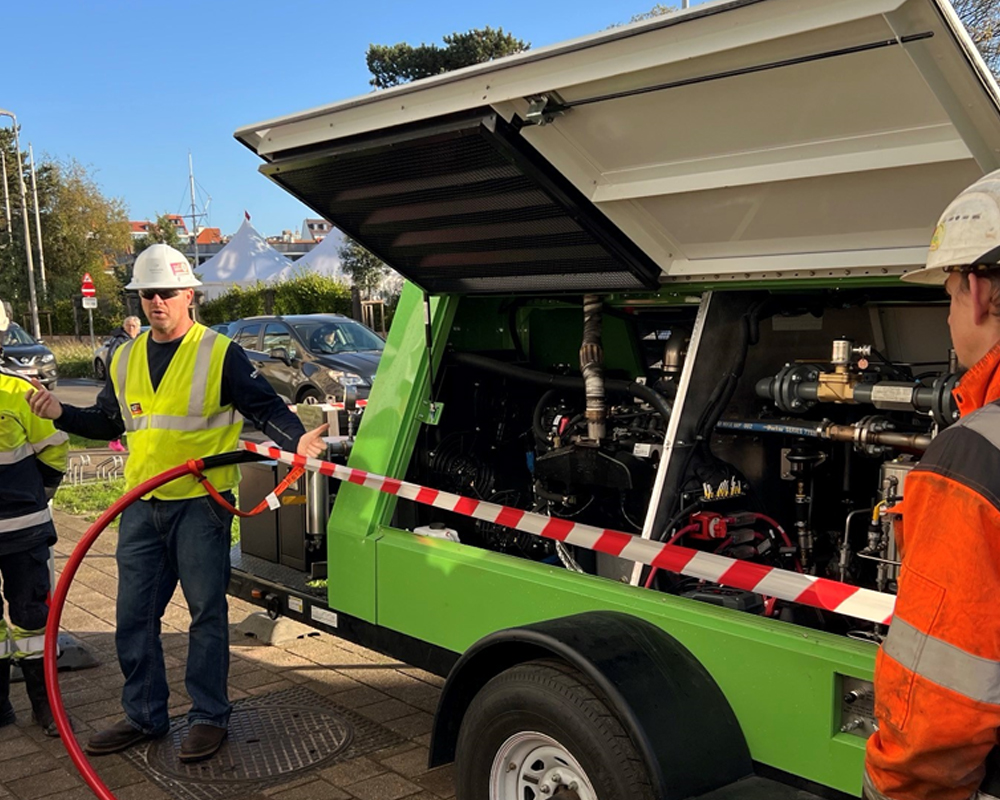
x=264, y=742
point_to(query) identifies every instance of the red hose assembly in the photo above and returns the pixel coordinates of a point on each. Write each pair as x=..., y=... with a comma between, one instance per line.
x=50, y=654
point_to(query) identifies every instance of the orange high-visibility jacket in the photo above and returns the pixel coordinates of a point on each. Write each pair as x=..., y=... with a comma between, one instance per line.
x=937, y=675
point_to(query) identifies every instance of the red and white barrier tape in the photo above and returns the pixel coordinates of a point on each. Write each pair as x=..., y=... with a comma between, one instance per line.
x=331, y=406
x=795, y=587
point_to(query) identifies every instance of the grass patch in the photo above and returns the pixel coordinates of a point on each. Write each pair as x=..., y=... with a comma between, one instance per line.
x=90, y=500
x=73, y=360
x=81, y=443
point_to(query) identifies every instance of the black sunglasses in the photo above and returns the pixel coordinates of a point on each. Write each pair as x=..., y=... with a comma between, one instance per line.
x=165, y=294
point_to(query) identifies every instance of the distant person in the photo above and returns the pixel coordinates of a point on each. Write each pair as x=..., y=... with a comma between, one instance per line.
x=127, y=332
x=32, y=463
x=181, y=390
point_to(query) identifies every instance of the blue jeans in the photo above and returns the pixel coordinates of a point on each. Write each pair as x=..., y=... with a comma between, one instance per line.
x=159, y=543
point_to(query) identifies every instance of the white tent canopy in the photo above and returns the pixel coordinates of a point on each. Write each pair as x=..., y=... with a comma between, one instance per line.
x=323, y=259
x=247, y=258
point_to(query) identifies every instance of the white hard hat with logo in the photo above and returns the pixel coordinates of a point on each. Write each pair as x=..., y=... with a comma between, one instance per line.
x=967, y=235
x=160, y=266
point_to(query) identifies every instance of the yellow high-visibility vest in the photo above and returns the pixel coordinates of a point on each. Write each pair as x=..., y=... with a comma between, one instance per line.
x=183, y=419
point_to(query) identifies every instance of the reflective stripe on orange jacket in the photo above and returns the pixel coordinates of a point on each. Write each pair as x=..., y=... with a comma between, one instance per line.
x=937, y=675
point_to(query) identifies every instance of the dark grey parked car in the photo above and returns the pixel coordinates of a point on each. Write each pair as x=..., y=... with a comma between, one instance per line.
x=29, y=358
x=311, y=357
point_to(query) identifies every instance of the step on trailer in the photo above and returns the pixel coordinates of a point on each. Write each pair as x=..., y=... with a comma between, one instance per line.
x=653, y=300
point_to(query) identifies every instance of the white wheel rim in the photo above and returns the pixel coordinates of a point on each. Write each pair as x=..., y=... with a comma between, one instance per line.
x=533, y=766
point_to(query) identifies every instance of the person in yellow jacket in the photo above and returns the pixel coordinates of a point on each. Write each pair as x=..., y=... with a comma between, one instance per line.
x=180, y=391
x=32, y=463
x=937, y=675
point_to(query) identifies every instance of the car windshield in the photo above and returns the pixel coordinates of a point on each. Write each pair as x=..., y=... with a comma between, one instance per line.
x=17, y=335
x=341, y=336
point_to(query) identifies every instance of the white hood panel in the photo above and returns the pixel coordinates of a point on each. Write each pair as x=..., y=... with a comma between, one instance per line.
x=771, y=139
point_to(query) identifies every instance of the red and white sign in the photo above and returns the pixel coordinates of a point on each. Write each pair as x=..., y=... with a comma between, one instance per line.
x=87, y=286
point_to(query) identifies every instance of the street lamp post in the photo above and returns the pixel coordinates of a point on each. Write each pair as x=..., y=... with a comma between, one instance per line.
x=38, y=224
x=36, y=329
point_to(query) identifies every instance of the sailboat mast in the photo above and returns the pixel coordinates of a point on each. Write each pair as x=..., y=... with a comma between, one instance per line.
x=194, y=210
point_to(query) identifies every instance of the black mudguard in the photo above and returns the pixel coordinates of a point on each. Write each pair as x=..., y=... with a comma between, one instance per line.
x=678, y=718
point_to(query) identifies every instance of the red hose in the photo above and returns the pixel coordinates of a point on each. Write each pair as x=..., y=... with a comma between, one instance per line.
x=76, y=753
x=682, y=532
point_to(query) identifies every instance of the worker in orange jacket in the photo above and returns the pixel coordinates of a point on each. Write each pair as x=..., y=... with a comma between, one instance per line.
x=937, y=675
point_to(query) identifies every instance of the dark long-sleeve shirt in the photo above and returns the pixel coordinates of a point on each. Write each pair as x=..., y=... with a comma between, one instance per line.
x=242, y=386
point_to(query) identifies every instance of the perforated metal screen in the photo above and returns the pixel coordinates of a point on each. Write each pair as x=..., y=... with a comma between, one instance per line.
x=466, y=207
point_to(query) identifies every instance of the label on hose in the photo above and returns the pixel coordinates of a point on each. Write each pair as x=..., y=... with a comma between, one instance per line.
x=795, y=587
x=272, y=501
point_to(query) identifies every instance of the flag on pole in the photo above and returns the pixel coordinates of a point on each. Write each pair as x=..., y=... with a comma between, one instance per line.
x=246, y=214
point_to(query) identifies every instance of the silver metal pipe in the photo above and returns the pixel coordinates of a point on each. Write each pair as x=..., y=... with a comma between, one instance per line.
x=592, y=367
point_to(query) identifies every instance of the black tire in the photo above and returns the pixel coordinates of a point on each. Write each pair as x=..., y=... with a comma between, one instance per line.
x=551, y=698
x=311, y=396
x=100, y=370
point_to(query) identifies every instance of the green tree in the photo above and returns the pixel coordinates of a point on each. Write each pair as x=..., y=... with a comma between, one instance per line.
x=656, y=11
x=366, y=269
x=82, y=231
x=982, y=19
x=393, y=64
x=163, y=231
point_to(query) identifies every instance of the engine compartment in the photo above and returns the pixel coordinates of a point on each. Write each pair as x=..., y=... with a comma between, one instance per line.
x=775, y=427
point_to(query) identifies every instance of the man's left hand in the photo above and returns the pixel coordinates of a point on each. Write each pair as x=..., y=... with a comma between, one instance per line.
x=311, y=444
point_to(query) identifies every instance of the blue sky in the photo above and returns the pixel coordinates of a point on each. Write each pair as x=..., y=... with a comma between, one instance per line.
x=128, y=87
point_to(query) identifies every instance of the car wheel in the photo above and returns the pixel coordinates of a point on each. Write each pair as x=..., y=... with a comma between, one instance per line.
x=311, y=397
x=541, y=729
x=100, y=370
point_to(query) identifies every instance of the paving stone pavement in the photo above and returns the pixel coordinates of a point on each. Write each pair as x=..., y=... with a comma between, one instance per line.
x=395, y=695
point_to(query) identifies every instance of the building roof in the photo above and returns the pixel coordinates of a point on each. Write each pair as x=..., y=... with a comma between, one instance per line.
x=210, y=236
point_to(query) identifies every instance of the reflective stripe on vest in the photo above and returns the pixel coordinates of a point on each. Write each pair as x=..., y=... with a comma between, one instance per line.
x=26, y=644
x=25, y=520
x=945, y=664
x=183, y=418
x=4, y=640
x=17, y=454
x=869, y=790
x=56, y=438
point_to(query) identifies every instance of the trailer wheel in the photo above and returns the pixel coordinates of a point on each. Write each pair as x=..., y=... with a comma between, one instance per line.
x=540, y=730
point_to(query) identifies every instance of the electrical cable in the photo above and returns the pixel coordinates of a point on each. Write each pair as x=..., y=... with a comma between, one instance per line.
x=58, y=600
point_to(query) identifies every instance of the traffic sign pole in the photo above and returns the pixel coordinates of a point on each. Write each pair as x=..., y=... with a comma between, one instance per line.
x=89, y=303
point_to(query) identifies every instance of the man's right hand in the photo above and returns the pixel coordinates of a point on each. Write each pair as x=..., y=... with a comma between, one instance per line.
x=42, y=402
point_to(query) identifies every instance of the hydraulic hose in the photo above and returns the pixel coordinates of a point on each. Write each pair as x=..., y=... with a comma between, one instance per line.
x=50, y=653
x=637, y=390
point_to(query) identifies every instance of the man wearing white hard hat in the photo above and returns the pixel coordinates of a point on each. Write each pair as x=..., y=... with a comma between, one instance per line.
x=937, y=674
x=180, y=391
x=32, y=463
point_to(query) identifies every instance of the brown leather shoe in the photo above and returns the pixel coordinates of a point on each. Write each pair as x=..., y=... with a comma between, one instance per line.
x=120, y=736
x=202, y=742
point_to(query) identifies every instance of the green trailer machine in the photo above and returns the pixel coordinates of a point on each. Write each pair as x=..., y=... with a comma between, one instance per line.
x=652, y=287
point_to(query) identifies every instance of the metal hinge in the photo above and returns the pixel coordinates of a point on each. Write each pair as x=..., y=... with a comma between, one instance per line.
x=543, y=108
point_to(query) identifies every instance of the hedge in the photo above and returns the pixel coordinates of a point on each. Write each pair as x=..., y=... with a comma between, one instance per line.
x=305, y=294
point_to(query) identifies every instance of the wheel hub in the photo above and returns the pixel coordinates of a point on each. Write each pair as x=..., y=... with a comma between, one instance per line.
x=534, y=766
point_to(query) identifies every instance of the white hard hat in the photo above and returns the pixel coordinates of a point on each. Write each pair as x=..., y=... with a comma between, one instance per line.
x=160, y=266
x=4, y=319
x=967, y=235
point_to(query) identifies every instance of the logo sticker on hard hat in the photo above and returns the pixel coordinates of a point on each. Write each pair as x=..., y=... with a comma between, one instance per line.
x=937, y=237
x=178, y=267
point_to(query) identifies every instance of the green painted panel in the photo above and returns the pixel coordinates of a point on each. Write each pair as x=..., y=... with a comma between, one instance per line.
x=384, y=445
x=779, y=678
